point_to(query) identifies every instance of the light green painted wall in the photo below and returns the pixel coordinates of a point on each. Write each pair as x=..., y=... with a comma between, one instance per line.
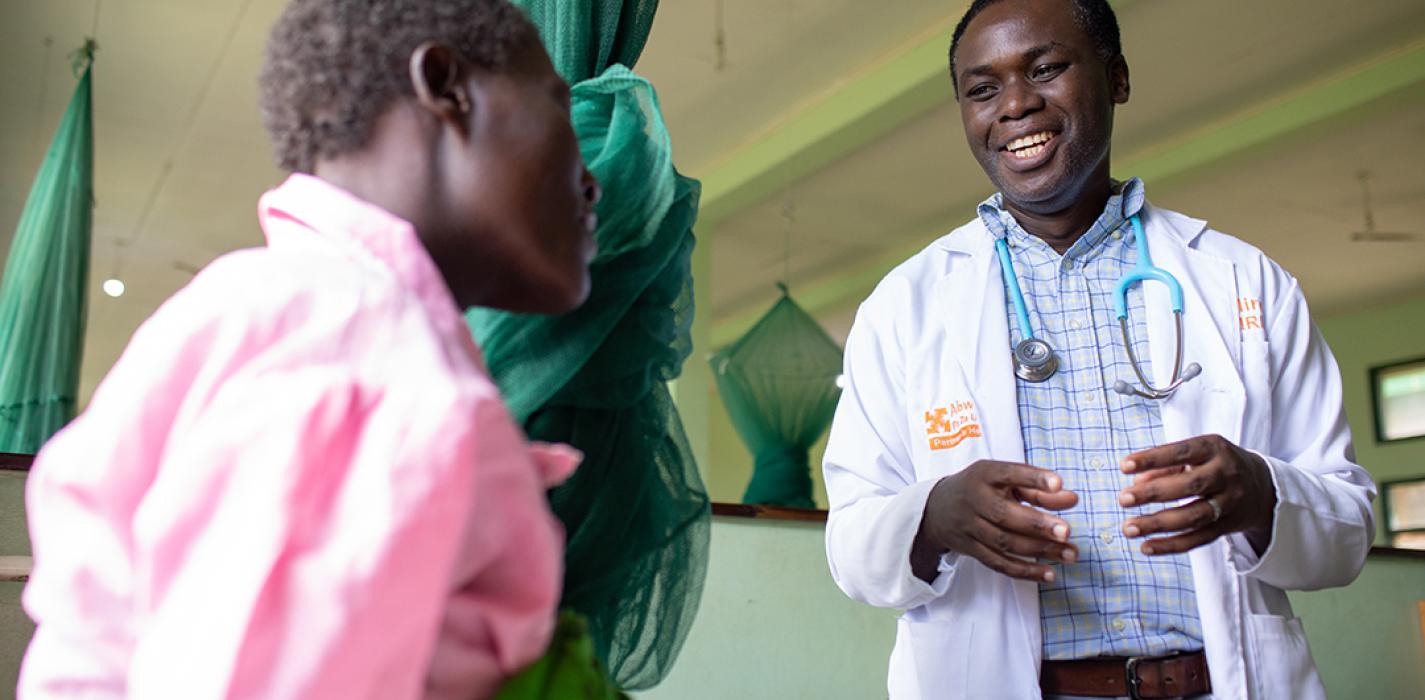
x=1366, y=637
x=773, y=625
x=1360, y=341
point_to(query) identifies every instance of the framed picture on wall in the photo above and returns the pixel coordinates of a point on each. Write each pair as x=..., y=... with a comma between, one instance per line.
x=1398, y=392
x=1403, y=503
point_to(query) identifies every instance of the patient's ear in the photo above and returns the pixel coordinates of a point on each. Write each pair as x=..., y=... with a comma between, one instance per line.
x=438, y=79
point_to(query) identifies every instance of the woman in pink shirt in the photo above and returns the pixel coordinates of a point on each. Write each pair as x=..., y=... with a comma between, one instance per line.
x=298, y=481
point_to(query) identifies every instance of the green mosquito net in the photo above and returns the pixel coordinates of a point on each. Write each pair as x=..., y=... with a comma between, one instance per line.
x=43, y=293
x=778, y=383
x=636, y=511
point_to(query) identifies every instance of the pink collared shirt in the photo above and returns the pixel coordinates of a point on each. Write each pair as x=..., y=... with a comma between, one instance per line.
x=297, y=482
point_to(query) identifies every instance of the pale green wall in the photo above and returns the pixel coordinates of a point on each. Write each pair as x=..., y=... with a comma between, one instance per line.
x=1366, y=637
x=1368, y=338
x=773, y=625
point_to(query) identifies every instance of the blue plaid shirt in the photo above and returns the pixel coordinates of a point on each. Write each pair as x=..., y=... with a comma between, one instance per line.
x=1114, y=601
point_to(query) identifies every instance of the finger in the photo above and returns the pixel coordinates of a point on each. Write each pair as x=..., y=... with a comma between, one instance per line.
x=1055, y=500
x=1190, y=516
x=1010, y=566
x=1178, y=544
x=1190, y=452
x=1151, y=474
x=1012, y=516
x=1006, y=542
x=1025, y=476
x=1204, y=479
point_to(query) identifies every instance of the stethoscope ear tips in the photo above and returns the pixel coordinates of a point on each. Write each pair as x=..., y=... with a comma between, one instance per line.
x=1122, y=387
x=1192, y=370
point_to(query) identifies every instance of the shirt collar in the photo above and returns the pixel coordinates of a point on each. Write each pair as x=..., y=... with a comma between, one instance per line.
x=304, y=205
x=1125, y=202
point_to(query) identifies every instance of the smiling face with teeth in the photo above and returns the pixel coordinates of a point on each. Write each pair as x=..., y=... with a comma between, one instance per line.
x=1037, y=104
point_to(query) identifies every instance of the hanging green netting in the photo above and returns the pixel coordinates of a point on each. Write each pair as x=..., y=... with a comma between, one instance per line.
x=43, y=294
x=778, y=383
x=636, y=511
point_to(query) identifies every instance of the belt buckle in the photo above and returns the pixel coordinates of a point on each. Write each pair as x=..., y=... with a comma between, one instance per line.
x=1130, y=669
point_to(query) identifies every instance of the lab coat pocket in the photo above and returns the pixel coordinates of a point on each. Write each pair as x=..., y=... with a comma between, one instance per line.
x=1284, y=667
x=940, y=649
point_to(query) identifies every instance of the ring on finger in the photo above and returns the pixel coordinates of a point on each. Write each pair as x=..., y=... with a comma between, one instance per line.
x=1216, y=509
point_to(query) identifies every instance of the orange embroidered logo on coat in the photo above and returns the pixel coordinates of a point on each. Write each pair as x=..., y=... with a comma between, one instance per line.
x=1249, y=314
x=952, y=425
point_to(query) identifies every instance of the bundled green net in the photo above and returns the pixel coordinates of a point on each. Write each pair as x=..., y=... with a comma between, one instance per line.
x=778, y=383
x=44, y=292
x=636, y=511
x=568, y=671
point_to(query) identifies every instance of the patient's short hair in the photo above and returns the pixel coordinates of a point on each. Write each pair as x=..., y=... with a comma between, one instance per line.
x=333, y=66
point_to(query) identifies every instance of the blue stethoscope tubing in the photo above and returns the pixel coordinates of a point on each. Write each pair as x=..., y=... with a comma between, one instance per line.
x=1035, y=359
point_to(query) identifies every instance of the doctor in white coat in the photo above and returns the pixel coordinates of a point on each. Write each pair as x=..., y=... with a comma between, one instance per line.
x=1249, y=482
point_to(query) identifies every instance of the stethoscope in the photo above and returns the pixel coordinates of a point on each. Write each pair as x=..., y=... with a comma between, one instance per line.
x=1035, y=359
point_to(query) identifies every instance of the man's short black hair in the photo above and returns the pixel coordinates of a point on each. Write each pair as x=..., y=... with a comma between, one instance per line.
x=333, y=66
x=1095, y=17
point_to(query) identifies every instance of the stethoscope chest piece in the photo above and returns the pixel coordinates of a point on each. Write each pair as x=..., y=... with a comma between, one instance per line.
x=1034, y=360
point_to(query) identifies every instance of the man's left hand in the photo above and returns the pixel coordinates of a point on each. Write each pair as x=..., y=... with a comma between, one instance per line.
x=1233, y=487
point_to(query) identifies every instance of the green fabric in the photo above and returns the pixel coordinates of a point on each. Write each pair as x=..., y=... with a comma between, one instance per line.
x=44, y=292
x=568, y=671
x=636, y=512
x=585, y=37
x=779, y=385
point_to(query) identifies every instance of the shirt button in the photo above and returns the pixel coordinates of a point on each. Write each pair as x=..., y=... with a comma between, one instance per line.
x=1075, y=323
x=1107, y=537
x=1090, y=397
x=1120, y=625
x=1096, y=462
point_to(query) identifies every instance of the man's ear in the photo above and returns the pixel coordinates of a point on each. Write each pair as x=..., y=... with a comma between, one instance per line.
x=1118, y=79
x=439, y=82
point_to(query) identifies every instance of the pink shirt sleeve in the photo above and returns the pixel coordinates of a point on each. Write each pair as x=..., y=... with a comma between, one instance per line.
x=305, y=536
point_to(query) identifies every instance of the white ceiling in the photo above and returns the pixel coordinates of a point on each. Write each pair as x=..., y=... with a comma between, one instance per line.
x=182, y=158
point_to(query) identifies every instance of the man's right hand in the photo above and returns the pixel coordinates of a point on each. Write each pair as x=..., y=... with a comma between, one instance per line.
x=981, y=512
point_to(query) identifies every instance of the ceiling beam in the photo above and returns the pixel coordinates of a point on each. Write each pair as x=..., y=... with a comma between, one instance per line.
x=874, y=103
x=1337, y=95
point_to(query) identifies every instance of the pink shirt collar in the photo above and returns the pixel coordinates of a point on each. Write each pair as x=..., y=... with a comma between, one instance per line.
x=304, y=205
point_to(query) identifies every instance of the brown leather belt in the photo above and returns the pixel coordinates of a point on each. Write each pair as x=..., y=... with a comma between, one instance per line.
x=1176, y=676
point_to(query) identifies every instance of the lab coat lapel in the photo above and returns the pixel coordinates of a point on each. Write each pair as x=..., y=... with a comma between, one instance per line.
x=977, y=334
x=1211, y=403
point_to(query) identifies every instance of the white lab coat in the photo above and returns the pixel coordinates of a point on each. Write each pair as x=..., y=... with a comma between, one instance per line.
x=934, y=334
